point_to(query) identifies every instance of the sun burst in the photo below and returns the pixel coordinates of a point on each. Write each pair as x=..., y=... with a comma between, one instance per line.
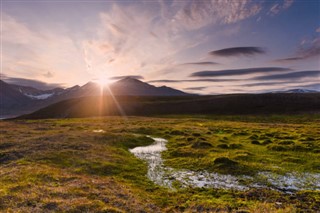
x=103, y=81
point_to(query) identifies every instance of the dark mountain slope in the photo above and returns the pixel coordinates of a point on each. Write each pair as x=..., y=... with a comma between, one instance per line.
x=220, y=104
x=132, y=86
x=11, y=99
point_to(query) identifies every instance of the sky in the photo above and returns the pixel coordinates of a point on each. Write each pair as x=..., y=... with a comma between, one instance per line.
x=198, y=46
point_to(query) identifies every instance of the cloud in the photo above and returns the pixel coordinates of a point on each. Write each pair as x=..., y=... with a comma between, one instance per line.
x=191, y=80
x=195, y=88
x=291, y=76
x=264, y=84
x=238, y=51
x=31, y=52
x=284, y=85
x=30, y=83
x=289, y=59
x=165, y=81
x=48, y=74
x=139, y=77
x=201, y=63
x=315, y=86
x=237, y=72
x=307, y=49
x=278, y=7
x=311, y=49
x=167, y=28
x=200, y=13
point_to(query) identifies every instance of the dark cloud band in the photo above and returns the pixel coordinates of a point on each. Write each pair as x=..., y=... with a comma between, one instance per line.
x=238, y=51
x=201, y=63
x=30, y=83
x=192, y=80
x=127, y=76
x=293, y=75
x=232, y=72
x=195, y=88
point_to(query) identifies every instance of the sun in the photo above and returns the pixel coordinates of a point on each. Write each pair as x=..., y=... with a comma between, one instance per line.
x=103, y=81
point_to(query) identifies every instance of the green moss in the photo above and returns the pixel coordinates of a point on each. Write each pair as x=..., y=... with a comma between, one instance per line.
x=63, y=166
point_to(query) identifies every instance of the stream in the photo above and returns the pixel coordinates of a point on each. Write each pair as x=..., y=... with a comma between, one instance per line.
x=167, y=176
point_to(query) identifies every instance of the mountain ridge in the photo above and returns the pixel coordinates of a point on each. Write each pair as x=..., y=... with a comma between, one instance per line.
x=28, y=99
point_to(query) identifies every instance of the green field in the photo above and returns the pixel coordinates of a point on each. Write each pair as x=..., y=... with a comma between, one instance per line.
x=70, y=165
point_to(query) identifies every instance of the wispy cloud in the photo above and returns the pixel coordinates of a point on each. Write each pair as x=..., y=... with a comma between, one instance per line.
x=197, y=14
x=291, y=76
x=48, y=74
x=238, y=51
x=195, y=88
x=273, y=83
x=315, y=86
x=166, y=32
x=308, y=49
x=192, y=80
x=29, y=53
x=289, y=84
x=165, y=81
x=238, y=72
x=278, y=7
x=30, y=83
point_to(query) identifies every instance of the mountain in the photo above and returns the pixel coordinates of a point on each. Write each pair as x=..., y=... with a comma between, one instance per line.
x=134, y=87
x=164, y=105
x=37, y=99
x=38, y=94
x=11, y=99
x=299, y=91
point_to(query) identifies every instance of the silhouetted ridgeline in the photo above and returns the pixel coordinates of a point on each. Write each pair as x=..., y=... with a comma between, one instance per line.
x=219, y=104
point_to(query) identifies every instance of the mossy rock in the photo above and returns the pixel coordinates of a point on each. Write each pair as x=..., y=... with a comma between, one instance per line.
x=224, y=161
x=255, y=142
x=240, y=134
x=266, y=142
x=190, y=139
x=242, y=156
x=254, y=136
x=289, y=137
x=300, y=148
x=177, y=132
x=201, y=145
x=270, y=134
x=235, y=146
x=278, y=148
x=286, y=143
x=310, y=139
x=223, y=146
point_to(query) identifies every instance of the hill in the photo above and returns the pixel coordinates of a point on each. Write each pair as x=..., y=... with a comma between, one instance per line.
x=219, y=104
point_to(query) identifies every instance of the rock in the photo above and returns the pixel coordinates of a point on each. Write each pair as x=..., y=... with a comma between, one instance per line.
x=225, y=161
x=201, y=144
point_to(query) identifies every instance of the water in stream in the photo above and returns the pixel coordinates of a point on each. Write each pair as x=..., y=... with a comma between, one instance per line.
x=166, y=176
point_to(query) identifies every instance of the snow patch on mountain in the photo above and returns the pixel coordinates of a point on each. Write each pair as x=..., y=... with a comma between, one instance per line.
x=40, y=97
